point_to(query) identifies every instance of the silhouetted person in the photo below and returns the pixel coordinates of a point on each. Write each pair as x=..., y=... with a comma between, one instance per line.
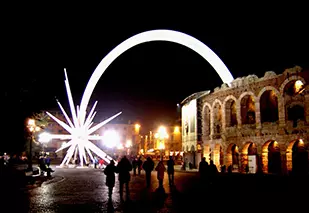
x=213, y=171
x=170, y=170
x=123, y=168
x=160, y=168
x=109, y=171
x=148, y=166
x=223, y=169
x=203, y=170
x=229, y=169
x=139, y=165
x=134, y=165
x=42, y=165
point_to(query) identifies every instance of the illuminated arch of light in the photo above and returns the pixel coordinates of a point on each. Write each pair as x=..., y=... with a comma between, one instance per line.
x=80, y=128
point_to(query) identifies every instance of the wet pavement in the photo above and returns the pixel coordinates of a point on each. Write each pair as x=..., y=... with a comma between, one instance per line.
x=84, y=190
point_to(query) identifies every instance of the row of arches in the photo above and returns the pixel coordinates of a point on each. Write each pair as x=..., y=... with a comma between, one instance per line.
x=269, y=106
x=270, y=159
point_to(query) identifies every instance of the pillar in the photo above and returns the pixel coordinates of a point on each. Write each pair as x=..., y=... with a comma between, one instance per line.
x=257, y=114
x=306, y=107
x=284, y=169
x=281, y=111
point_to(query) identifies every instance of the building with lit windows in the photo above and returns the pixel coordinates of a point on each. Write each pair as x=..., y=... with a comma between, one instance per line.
x=163, y=140
x=256, y=123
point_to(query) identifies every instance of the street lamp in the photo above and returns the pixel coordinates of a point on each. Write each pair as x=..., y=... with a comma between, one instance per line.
x=161, y=135
x=44, y=138
x=32, y=128
x=128, y=146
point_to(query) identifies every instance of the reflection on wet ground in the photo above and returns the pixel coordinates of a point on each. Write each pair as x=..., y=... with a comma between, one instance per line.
x=84, y=190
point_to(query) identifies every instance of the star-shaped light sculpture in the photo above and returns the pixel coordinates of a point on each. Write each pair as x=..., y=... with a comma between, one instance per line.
x=80, y=132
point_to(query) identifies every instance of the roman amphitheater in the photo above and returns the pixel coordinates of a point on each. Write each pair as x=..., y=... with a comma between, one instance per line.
x=261, y=123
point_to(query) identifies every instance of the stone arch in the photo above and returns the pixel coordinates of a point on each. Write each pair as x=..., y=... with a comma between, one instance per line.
x=232, y=156
x=293, y=103
x=247, y=113
x=217, y=117
x=154, y=35
x=249, y=150
x=292, y=78
x=269, y=109
x=297, y=157
x=269, y=88
x=271, y=157
x=216, y=101
x=207, y=121
x=218, y=157
x=247, y=93
x=228, y=108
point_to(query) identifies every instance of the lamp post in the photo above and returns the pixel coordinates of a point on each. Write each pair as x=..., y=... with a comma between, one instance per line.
x=161, y=135
x=32, y=127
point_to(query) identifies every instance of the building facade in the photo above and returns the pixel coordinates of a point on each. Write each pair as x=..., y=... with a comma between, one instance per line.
x=255, y=123
x=169, y=145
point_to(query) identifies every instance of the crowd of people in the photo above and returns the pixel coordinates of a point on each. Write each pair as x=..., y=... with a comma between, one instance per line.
x=125, y=166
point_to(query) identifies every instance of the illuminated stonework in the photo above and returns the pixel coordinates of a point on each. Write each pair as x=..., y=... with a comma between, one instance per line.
x=80, y=129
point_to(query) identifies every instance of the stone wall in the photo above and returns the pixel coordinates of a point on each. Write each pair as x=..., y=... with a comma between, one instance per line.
x=272, y=138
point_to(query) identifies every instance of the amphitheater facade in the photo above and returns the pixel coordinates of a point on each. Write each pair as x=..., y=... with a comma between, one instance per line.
x=255, y=124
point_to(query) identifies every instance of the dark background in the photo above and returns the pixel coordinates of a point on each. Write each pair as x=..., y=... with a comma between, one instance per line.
x=147, y=81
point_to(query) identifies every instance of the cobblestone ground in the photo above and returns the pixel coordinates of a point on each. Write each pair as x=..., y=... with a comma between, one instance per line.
x=84, y=190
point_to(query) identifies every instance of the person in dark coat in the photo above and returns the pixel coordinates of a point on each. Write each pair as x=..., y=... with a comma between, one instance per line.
x=134, y=164
x=109, y=171
x=123, y=168
x=203, y=170
x=139, y=165
x=213, y=172
x=148, y=166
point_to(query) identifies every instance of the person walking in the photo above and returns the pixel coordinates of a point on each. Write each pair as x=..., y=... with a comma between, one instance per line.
x=123, y=168
x=203, y=169
x=160, y=168
x=170, y=170
x=47, y=160
x=134, y=164
x=213, y=172
x=110, y=171
x=139, y=165
x=148, y=166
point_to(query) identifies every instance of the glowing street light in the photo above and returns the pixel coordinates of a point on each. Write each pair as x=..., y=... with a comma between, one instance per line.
x=161, y=135
x=45, y=137
x=128, y=146
x=32, y=127
x=111, y=139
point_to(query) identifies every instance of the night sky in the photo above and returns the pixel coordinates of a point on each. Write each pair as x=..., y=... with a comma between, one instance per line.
x=147, y=81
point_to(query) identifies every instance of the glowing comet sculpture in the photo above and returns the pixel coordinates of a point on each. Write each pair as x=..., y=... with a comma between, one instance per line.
x=80, y=132
x=81, y=129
